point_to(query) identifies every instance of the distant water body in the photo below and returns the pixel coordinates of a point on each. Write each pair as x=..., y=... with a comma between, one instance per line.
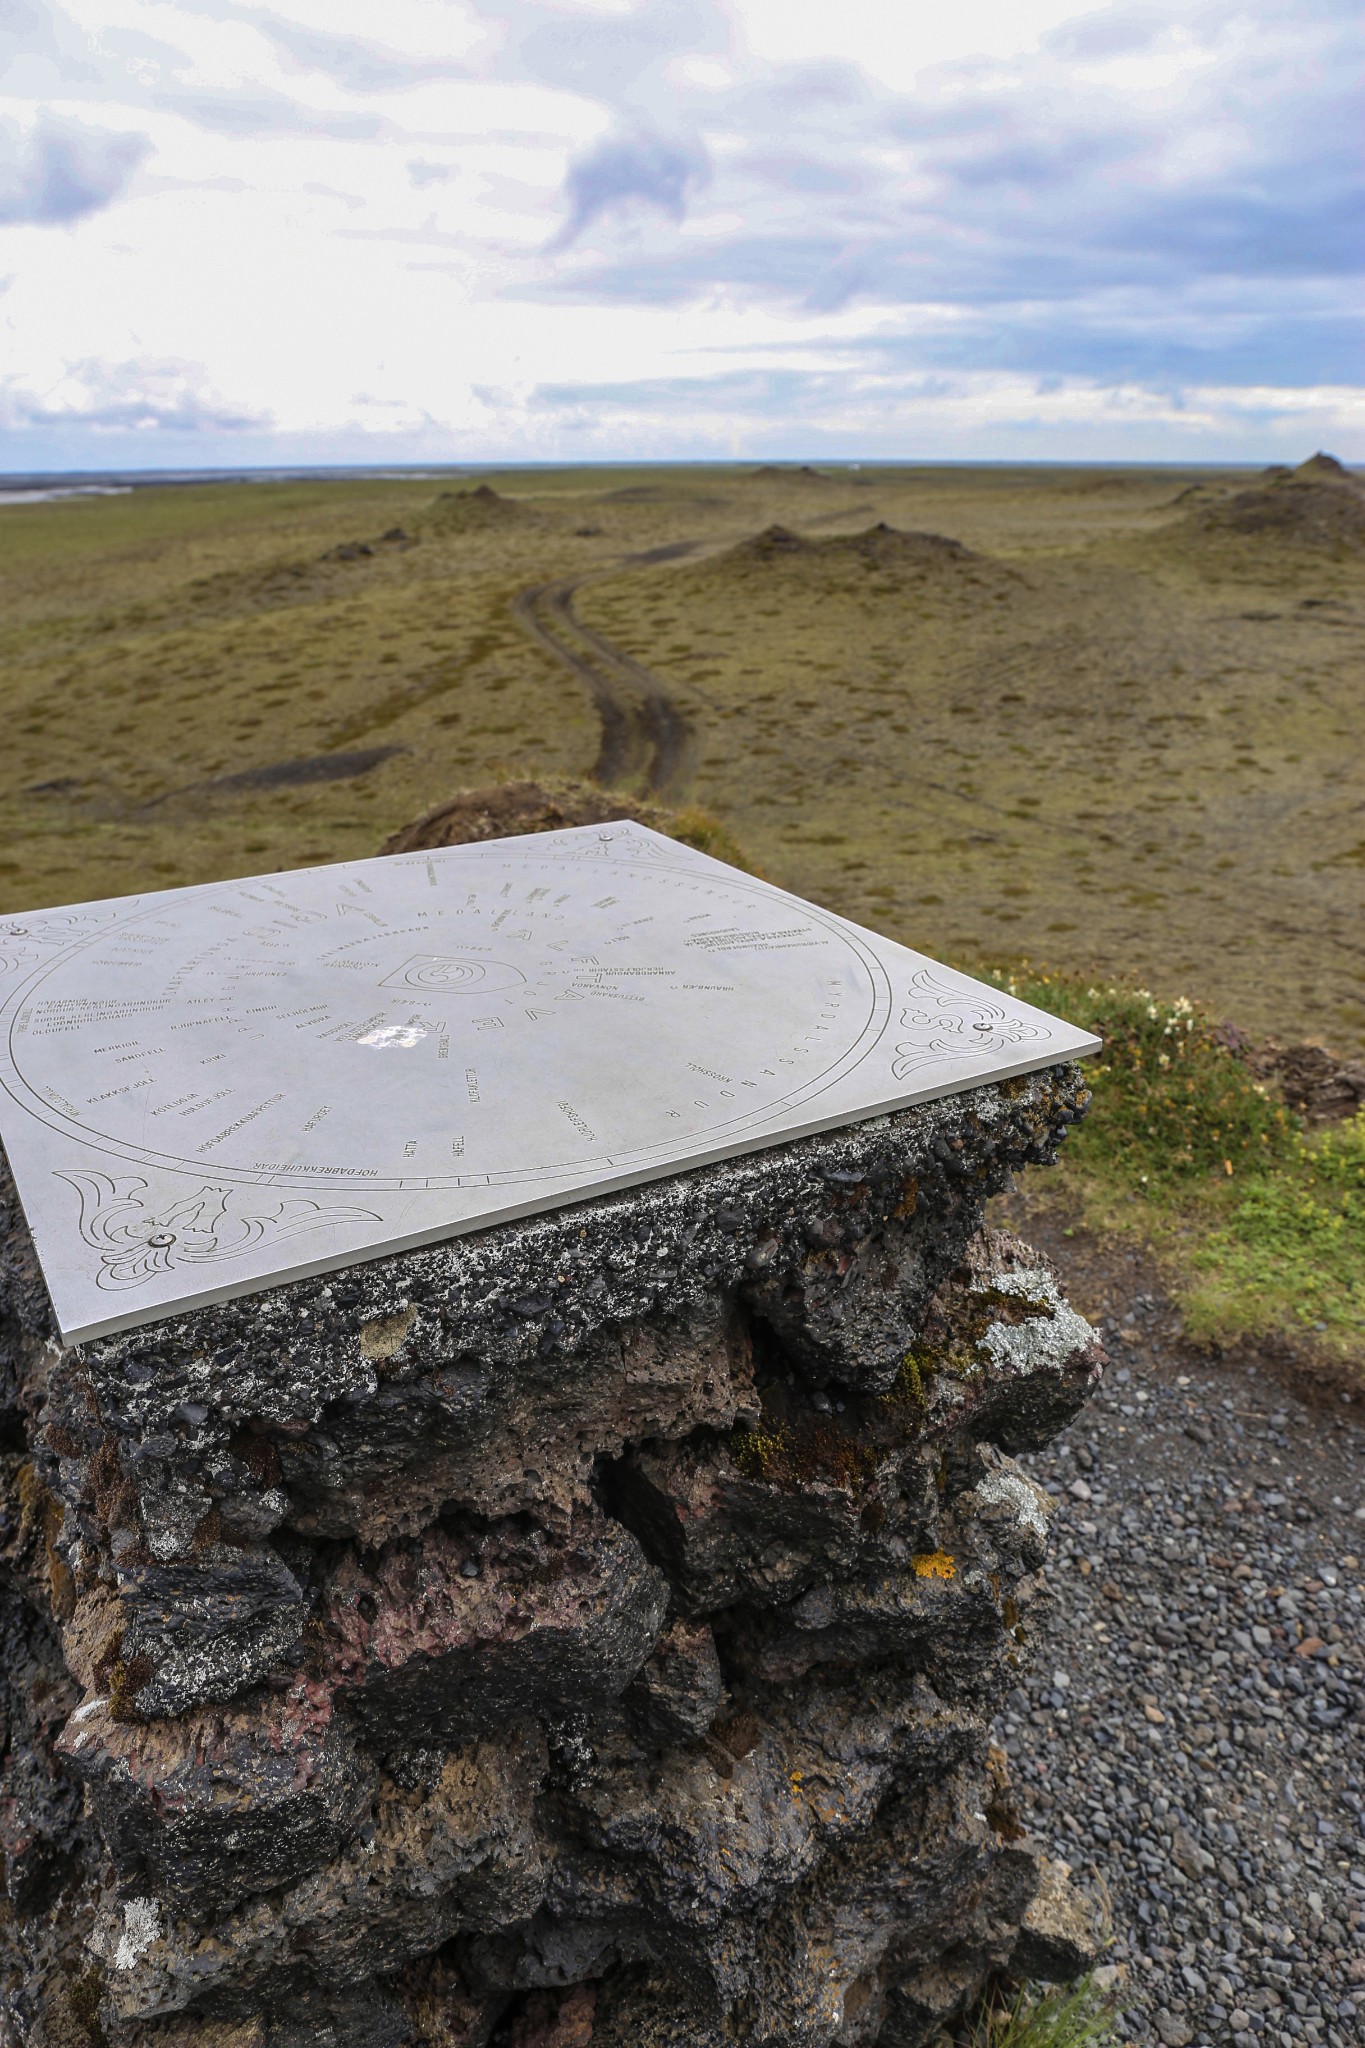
x=36, y=493
x=40, y=488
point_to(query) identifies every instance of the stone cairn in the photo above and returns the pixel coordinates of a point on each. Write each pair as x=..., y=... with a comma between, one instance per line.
x=585, y=1632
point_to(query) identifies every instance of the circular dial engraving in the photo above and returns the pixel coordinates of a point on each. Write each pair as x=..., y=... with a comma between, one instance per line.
x=428, y=1023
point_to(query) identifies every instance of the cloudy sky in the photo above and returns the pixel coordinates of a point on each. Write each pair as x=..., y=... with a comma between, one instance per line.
x=562, y=229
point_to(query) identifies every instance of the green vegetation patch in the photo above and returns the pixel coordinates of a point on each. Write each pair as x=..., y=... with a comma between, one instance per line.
x=1065, y=2016
x=1261, y=1222
x=1293, y=1248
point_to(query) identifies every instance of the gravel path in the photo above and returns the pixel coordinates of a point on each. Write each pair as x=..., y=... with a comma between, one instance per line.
x=1193, y=1734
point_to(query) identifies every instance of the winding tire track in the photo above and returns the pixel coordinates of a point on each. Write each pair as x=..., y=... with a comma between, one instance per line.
x=646, y=735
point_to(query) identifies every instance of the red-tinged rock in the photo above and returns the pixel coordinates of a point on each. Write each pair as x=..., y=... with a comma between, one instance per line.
x=456, y=1635
x=224, y=1802
x=506, y=1442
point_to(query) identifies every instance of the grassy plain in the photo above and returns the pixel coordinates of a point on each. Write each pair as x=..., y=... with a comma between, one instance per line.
x=1101, y=732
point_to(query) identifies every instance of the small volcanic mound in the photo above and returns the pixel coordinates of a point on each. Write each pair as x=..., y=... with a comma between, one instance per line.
x=879, y=546
x=475, y=511
x=784, y=473
x=363, y=550
x=1298, y=511
x=509, y=810
x=267, y=586
x=770, y=545
x=1197, y=494
x=883, y=543
x=1322, y=467
x=1281, y=500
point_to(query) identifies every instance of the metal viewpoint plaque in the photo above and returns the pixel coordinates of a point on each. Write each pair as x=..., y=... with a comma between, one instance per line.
x=208, y=1091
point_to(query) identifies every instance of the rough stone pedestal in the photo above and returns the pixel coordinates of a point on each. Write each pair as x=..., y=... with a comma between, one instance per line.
x=582, y=1633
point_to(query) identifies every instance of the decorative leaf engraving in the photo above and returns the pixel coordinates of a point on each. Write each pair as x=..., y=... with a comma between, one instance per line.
x=136, y=1241
x=947, y=1023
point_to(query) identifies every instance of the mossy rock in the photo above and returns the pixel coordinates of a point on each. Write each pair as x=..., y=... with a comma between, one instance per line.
x=508, y=809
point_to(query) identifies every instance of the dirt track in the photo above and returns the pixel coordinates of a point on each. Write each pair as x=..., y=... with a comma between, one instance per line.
x=646, y=737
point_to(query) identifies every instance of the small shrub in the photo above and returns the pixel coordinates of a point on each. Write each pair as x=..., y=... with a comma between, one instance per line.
x=1173, y=1103
x=1261, y=1224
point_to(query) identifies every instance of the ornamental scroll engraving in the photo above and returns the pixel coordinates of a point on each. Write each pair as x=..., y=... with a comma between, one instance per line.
x=137, y=1241
x=627, y=845
x=944, y=1023
x=26, y=940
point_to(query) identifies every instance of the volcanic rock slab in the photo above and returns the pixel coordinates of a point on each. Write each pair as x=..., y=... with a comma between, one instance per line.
x=584, y=1630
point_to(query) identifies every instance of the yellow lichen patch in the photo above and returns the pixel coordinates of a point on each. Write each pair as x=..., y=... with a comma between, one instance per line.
x=934, y=1564
x=756, y=1451
x=126, y=1680
x=911, y=1378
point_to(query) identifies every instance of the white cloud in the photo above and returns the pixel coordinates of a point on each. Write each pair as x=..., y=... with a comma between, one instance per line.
x=58, y=170
x=140, y=397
